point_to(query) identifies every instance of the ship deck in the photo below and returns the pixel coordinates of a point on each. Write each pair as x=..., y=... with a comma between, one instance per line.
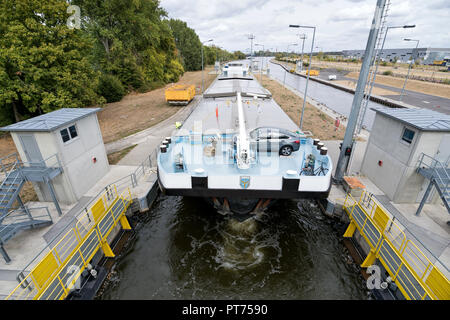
x=188, y=161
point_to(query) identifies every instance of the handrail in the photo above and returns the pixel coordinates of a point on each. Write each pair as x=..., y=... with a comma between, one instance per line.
x=27, y=214
x=110, y=188
x=437, y=164
x=75, y=217
x=7, y=165
x=44, y=161
x=83, y=241
x=409, y=253
x=8, y=189
x=443, y=181
x=133, y=183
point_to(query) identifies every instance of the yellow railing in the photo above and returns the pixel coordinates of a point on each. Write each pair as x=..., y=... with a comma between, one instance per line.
x=415, y=275
x=60, y=269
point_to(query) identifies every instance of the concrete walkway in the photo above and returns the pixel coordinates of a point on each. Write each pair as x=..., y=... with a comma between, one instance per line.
x=149, y=139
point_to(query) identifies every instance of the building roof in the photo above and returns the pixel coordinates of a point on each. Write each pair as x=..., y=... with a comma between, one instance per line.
x=422, y=119
x=52, y=120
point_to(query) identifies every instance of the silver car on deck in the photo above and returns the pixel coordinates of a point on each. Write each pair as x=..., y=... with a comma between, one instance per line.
x=275, y=140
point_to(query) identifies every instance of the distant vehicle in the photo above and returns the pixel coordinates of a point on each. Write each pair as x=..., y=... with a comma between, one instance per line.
x=313, y=72
x=332, y=77
x=275, y=140
x=439, y=63
x=180, y=94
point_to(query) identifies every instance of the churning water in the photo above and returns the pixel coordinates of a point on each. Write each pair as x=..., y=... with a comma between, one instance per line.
x=185, y=250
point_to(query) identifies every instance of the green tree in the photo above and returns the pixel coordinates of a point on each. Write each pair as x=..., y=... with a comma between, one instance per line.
x=238, y=55
x=188, y=44
x=44, y=64
x=132, y=40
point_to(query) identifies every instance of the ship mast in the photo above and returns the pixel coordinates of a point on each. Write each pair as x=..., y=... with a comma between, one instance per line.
x=242, y=143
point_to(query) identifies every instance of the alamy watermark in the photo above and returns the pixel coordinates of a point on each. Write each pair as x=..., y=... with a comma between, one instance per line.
x=374, y=280
x=74, y=21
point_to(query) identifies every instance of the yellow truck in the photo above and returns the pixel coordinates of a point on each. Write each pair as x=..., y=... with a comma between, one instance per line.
x=180, y=94
x=313, y=72
x=438, y=63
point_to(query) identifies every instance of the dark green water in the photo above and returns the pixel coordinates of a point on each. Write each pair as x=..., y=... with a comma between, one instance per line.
x=185, y=250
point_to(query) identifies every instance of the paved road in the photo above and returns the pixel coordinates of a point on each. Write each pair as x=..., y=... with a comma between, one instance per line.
x=413, y=98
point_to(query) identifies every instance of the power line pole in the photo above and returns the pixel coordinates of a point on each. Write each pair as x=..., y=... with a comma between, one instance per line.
x=251, y=37
x=347, y=144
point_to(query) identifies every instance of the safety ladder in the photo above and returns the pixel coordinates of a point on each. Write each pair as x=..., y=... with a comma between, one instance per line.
x=373, y=68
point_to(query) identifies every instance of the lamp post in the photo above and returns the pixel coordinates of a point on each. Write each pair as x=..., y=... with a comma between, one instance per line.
x=309, y=68
x=287, y=54
x=203, y=78
x=260, y=69
x=406, y=26
x=302, y=37
x=409, y=69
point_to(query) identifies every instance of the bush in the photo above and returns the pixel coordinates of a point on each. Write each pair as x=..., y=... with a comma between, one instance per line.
x=388, y=73
x=111, y=88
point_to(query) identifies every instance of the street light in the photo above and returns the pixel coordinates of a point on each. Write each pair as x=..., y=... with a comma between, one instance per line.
x=409, y=69
x=406, y=26
x=203, y=79
x=302, y=37
x=309, y=68
x=287, y=54
x=260, y=69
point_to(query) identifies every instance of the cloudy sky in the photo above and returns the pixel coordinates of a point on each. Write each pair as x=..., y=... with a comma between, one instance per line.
x=341, y=24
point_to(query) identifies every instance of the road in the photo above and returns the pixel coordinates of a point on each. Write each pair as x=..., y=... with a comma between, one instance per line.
x=413, y=98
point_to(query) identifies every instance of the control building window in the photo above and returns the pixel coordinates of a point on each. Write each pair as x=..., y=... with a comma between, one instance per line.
x=69, y=133
x=408, y=135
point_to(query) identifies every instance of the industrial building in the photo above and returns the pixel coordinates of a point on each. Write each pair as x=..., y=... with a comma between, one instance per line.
x=403, y=146
x=69, y=139
x=427, y=55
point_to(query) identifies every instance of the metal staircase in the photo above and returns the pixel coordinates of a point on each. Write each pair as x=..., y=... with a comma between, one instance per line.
x=14, y=215
x=439, y=175
x=373, y=68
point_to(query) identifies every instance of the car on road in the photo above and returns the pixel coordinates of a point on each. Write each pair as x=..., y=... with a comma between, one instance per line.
x=332, y=77
x=275, y=140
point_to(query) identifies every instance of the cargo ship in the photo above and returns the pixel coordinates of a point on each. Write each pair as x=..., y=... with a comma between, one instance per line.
x=240, y=151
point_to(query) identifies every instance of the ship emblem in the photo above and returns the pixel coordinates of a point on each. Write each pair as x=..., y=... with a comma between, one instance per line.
x=245, y=182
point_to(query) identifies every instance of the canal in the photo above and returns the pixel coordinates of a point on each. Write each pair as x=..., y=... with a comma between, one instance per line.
x=183, y=249
x=335, y=99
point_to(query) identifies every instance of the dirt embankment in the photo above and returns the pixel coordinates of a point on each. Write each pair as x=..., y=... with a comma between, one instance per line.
x=134, y=113
x=139, y=111
x=314, y=120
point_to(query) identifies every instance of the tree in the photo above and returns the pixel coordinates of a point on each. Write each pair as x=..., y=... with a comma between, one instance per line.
x=188, y=44
x=238, y=55
x=44, y=65
x=132, y=41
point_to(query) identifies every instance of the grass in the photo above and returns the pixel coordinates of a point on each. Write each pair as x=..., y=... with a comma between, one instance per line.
x=315, y=120
x=115, y=157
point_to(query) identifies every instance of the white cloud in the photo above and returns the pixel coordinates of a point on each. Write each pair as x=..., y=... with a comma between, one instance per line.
x=340, y=24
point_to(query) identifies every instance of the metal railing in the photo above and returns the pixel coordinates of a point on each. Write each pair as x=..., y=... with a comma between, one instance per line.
x=11, y=188
x=439, y=170
x=8, y=161
x=14, y=219
x=416, y=276
x=132, y=180
x=59, y=269
x=50, y=162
